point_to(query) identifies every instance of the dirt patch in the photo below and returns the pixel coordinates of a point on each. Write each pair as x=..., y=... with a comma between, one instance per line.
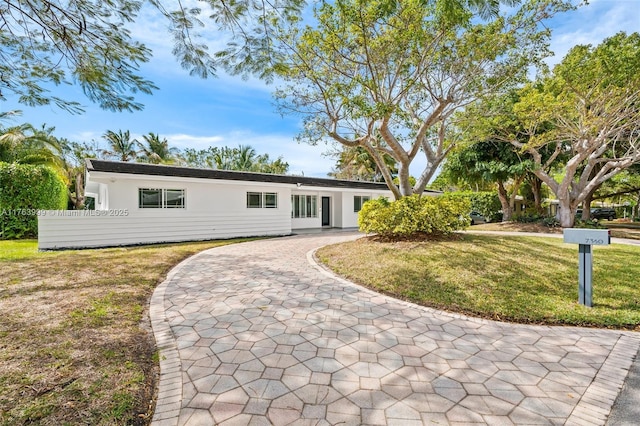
x=76, y=346
x=517, y=227
x=618, y=229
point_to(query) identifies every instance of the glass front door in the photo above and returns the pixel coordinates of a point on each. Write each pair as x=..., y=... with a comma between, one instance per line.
x=326, y=211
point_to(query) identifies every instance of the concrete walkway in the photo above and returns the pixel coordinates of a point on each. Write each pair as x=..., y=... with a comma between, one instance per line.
x=258, y=334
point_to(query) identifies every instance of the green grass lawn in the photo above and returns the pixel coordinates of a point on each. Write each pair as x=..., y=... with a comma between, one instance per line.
x=18, y=249
x=520, y=279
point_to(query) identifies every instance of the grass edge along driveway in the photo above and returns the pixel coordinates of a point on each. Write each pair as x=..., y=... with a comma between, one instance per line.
x=506, y=278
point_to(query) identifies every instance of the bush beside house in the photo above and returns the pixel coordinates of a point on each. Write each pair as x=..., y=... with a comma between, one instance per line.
x=414, y=215
x=25, y=189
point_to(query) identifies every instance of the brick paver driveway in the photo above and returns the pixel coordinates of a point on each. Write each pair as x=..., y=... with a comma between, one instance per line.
x=256, y=333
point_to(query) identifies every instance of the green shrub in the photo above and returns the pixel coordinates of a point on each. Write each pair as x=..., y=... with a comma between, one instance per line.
x=25, y=189
x=485, y=203
x=589, y=224
x=414, y=215
x=532, y=217
x=551, y=221
x=527, y=217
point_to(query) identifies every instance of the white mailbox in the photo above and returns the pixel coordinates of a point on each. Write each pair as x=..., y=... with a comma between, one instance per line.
x=586, y=238
x=591, y=237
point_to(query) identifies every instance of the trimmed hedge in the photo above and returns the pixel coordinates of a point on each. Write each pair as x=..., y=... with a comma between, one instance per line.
x=413, y=215
x=25, y=189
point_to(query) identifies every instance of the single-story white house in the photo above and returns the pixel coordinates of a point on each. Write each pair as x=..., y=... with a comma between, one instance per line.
x=137, y=203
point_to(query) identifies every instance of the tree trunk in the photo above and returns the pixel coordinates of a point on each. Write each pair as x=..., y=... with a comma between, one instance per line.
x=566, y=214
x=507, y=210
x=586, y=207
x=536, y=189
x=78, y=198
x=404, y=183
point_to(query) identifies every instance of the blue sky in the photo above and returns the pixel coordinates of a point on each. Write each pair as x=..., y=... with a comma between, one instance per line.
x=228, y=111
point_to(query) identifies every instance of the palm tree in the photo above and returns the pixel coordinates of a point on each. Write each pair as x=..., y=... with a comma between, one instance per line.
x=245, y=158
x=355, y=163
x=156, y=150
x=224, y=158
x=121, y=145
x=26, y=144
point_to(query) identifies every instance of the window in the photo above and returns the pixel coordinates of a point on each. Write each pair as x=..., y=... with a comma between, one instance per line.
x=174, y=198
x=161, y=198
x=257, y=200
x=358, y=201
x=150, y=198
x=303, y=206
x=254, y=200
x=270, y=200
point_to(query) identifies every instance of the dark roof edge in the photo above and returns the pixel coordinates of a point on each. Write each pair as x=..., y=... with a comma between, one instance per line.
x=108, y=166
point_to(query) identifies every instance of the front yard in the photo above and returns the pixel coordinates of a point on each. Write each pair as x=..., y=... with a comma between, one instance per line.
x=519, y=279
x=76, y=347
x=75, y=343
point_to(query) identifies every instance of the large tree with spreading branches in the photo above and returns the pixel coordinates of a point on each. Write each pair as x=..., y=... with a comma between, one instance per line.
x=388, y=76
x=589, y=109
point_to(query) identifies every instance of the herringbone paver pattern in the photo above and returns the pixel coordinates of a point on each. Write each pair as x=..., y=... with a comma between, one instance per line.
x=255, y=333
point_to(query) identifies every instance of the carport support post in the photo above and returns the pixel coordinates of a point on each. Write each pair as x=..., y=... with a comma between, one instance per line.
x=585, y=272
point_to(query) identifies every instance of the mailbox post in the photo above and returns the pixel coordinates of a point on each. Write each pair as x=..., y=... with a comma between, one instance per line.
x=586, y=238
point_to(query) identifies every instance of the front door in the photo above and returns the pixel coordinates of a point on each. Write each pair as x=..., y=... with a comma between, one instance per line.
x=326, y=211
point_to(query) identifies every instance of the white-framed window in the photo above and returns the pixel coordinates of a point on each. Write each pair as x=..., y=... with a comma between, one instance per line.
x=271, y=200
x=304, y=206
x=358, y=201
x=258, y=200
x=157, y=198
x=254, y=200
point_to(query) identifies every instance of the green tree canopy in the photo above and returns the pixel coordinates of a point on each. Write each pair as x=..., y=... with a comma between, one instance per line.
x=387, y=76
x=156, y=150
x=121, y=146
x=494, y=162
x=89, y=43
x=242, y=158
x=589, y=108
x=26, y=144
x=355, y=163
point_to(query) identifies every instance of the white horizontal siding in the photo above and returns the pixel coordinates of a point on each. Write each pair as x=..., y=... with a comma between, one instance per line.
x=57, y=231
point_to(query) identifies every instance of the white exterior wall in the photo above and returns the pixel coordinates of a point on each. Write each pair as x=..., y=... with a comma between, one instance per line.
x=341, y=204
x=57, y=232
x=311, y=222
x=213, y=210
x=349, y=217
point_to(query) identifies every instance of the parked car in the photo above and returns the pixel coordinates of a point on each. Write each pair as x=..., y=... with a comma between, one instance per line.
x=477, y=218
x=603, y=213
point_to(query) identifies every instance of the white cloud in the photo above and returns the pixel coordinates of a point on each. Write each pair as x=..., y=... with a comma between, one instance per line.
x=592, y=23
x=189, y=141
x=302, y=158
x=85, y=136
